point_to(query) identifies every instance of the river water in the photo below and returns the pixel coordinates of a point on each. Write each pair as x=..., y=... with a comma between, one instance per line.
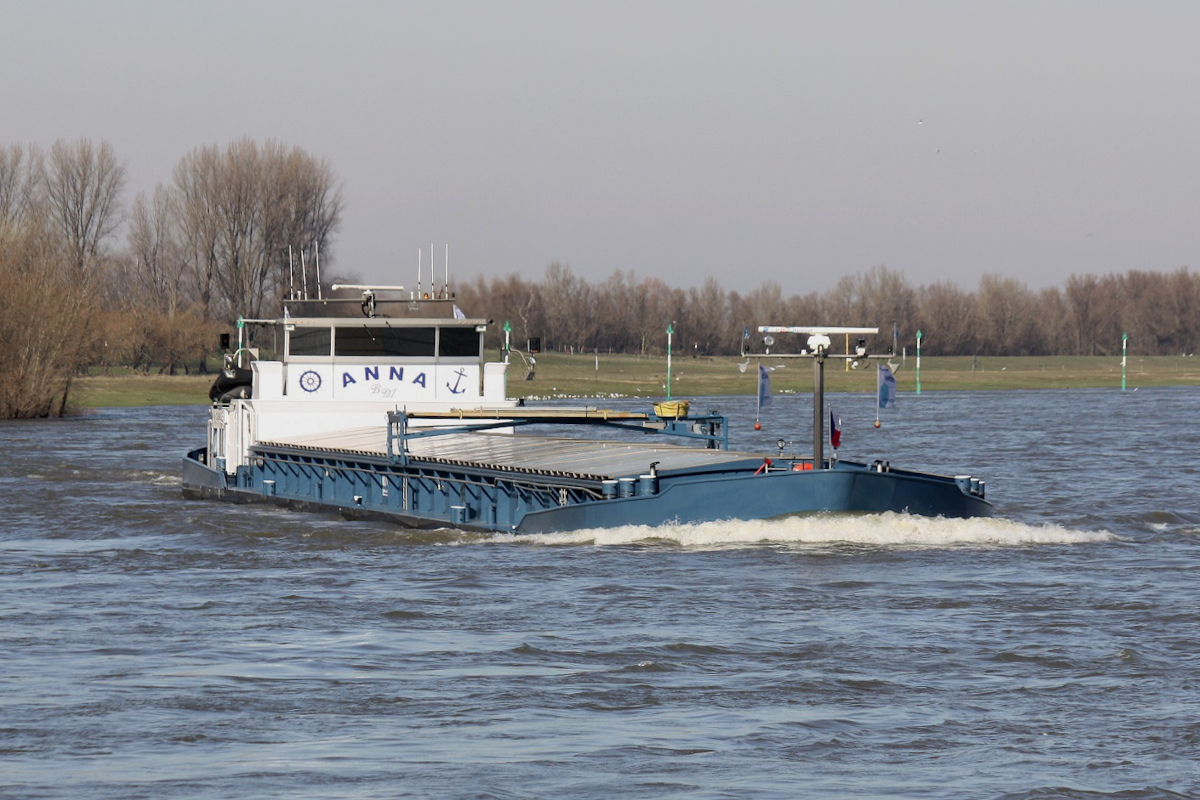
x=161, y=648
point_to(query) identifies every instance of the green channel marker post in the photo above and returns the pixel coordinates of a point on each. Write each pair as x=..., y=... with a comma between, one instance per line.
x=241, y=327
x=1124, y=350
x=918, y=362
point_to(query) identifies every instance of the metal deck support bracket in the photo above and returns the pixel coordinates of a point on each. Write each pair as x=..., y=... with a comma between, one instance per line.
x=710, y=428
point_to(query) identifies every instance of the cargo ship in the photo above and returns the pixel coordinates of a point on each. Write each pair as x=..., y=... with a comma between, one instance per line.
x=383, y=405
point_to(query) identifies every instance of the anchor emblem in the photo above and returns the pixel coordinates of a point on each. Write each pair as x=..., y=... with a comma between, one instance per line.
x=461, y=373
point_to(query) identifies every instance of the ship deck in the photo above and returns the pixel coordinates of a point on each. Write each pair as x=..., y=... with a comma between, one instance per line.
x=585, y=459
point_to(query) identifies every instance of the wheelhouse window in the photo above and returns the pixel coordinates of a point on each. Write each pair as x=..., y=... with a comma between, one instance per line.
x=459, y=343
x=372, y=341
x=309, y=341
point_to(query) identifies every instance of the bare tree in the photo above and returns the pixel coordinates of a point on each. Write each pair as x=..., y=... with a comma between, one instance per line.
x=766, y=305
x=156, y=255
x=709, y=317
x=303, y=208
x=245, y=267
x=1007, y=314
x=241, y=208
x=163, y=320
x=82, y=187
x=570, y=313
x=615, y=303
x=504, y=299
x=196, y=178
x=1180, y=309
x=879, y=297
x=44, y=312
x=1080, y=293
x=806, y=309
x=20, y=168
x=653, y=311
x=946, y=319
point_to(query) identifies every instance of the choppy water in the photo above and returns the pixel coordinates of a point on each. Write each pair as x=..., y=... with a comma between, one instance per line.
x=160, y=648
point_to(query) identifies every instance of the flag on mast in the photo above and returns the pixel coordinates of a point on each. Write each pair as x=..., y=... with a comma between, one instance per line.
x=835, y=430
x=764, y=388
x=887, y=387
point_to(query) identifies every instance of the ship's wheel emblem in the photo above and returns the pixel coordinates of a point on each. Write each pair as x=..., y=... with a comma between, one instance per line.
x=310, y=381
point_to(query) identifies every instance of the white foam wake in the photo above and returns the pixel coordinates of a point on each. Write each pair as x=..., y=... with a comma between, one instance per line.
x=885, y=530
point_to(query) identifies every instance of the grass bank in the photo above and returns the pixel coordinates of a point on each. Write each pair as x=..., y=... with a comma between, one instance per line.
x=121, y=391
x=560, y=375
x=563, y=375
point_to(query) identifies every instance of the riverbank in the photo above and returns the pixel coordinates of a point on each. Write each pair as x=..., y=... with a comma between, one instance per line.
x=561, y=375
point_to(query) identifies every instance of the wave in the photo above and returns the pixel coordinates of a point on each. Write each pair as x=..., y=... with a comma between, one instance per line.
x=880, y=530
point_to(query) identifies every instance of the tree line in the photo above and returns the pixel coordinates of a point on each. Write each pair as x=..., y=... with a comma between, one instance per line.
x=87, y=283
x=1089, y=315
x=225, y=237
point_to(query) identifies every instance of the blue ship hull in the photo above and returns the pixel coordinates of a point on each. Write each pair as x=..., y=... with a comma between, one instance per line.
x=476, y=497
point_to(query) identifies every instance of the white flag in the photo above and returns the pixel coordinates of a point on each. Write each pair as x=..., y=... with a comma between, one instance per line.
x=764, y=386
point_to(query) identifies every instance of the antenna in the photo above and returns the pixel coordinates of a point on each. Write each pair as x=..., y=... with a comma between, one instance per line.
x=291, y=276
x=317, y=246
x=433, y=293
x=304, y=274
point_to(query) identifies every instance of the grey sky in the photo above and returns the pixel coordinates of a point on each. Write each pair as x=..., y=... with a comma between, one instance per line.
x=750, y=141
